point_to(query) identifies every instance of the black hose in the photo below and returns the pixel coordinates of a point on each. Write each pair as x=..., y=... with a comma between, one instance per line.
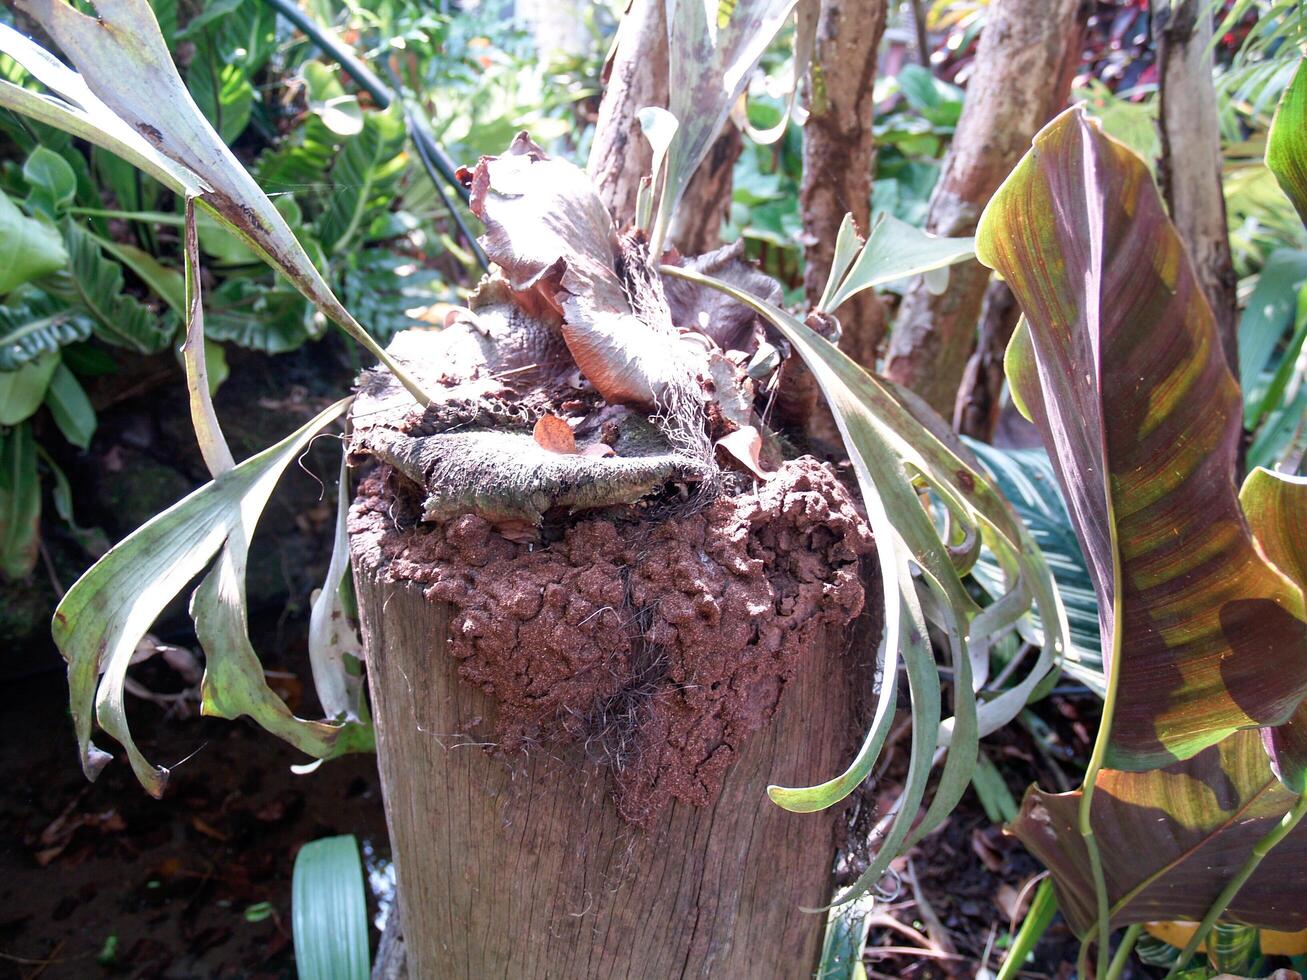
x=440, y=168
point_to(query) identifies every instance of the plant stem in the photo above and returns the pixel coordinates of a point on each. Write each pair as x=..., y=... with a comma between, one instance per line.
x=1085, y=815
x=1042, y=909
x=1123, y=952
x=1240, y=878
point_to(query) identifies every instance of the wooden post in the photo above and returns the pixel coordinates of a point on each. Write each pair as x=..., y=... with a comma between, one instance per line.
x=521, y=867
x=1028, y=52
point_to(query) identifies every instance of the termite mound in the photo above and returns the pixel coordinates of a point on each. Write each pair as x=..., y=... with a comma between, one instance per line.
x=659, y=645
x=632, y=556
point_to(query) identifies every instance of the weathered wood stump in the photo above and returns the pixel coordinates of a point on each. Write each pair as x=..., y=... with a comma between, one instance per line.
x=603, y=607
x=522, y=867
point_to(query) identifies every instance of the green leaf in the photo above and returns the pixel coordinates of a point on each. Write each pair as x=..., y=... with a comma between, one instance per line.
x=992, y=791
x=132, y=190
x=76, y=110
x=709, y=62
x=896, y=445
x=936, y=100
x=1282, y=432
x=28, y=248
x=53, y=183
x=364, y=176
x=329, y=911
x=1286, y=144
x=168, y=284
x=846, y=935
x=1266, y=317
x=1027, y=479
x=1123, y=374
x=212, y=12
x=247, y=313
x=216, y=357
x=104, y=615
x=70, y=407
x=20, y=502
x=129, y=98
x=22, y=390
x=92, y=539
x=1272, y=397
x=896, y=250
x=382, y=286
x=95, y=284
x=1170, y=838
x=223, y=93
x=34, y=323
x=328, y=101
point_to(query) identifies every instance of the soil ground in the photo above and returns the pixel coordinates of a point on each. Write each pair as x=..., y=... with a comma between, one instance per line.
x=195, y=885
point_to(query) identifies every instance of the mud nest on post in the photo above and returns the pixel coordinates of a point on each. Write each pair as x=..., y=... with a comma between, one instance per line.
x=597, y=493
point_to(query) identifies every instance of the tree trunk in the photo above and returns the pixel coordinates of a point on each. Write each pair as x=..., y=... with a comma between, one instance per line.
x=839, y=155
x=1190, y=170
x=635, y=76
x=522, y=867
x=978, y=405
x=1028, y=49
x=697, y=227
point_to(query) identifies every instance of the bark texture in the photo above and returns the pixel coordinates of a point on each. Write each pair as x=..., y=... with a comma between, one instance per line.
x=1028, y=53
x=635, y=77
x=1190, y=169
x=522, y=867
x=707, y=201
x=839, y=155
x=976, y=411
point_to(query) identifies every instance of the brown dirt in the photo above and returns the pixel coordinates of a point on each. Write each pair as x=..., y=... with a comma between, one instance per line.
x=661, y=646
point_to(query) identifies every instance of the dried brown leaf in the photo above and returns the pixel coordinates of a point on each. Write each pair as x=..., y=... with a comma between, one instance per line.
x=555, y=435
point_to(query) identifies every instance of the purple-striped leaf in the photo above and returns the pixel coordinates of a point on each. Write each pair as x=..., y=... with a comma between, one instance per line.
x=1122, y=371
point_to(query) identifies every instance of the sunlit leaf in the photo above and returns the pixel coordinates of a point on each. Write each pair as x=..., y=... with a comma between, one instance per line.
x=364, y=177
x=896, y=250
x=1286, y=144
x=138, y=96
x=1276, y=507
x=847, y=245
x=710, y=58
x=1122, y=371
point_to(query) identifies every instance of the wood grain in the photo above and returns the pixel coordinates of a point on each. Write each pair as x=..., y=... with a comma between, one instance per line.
x=521, y=867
